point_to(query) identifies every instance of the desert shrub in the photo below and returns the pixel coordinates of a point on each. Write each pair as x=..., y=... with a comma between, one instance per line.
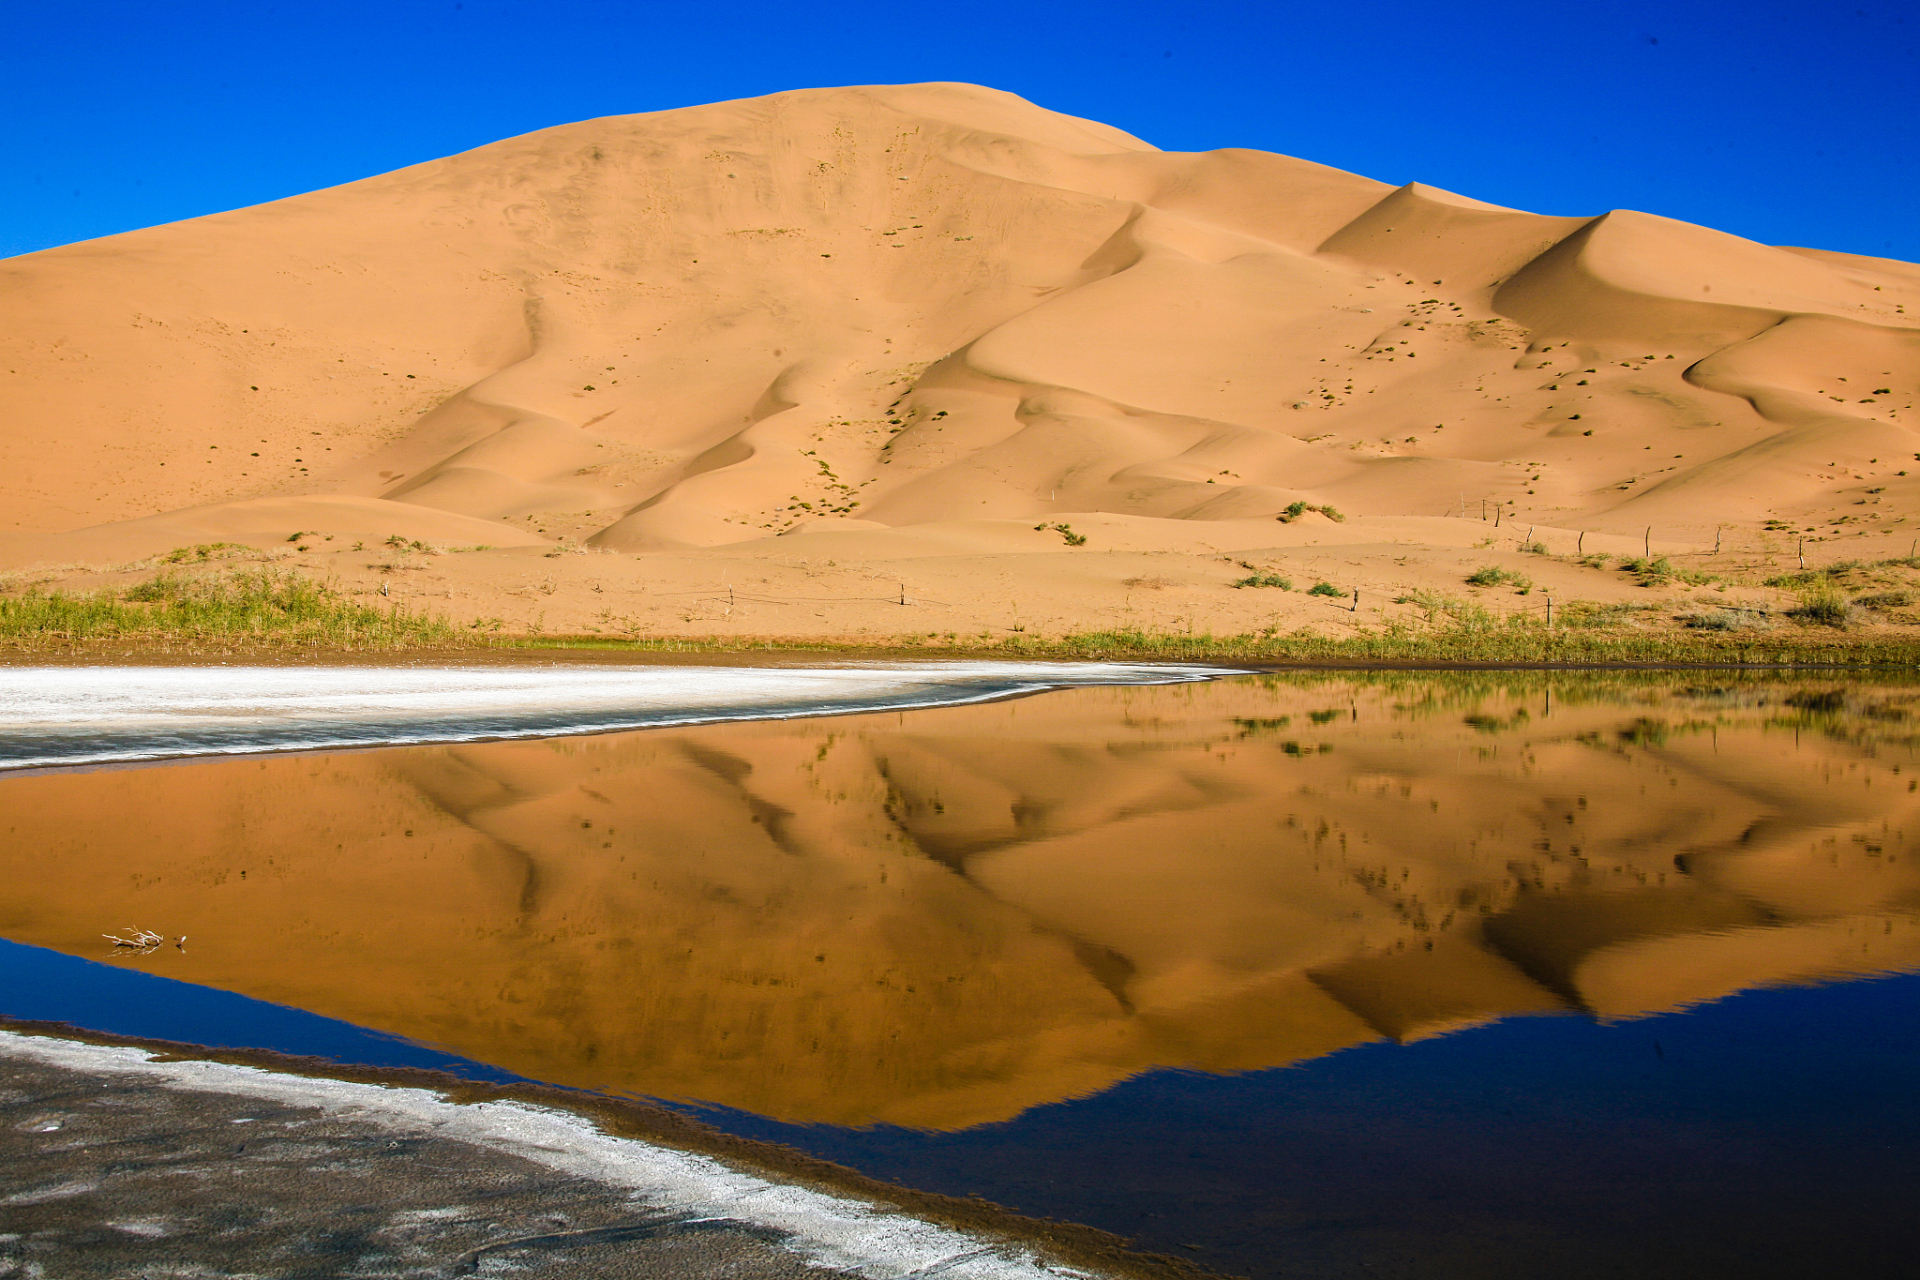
x=1460, y=613
x=1492, y=575
x=201, y=552
x=1266, y=580
x=1823, y=606
x=1324, y=589
x=1885, y=600
x=1801, y=578
x=1295, y=510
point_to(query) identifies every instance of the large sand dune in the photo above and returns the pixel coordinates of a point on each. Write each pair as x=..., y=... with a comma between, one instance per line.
x=845, y=345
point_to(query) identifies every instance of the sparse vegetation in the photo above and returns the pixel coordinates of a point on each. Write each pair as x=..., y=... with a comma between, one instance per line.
x=1823, y=606
x=201, y=552
x=1492, y=575
x=252, y=608
x=1266, y=580
x=1066, y=533
x=1463, y=614
x=1593, y=615
x=1732, y=619
x=1324, y=589
x=1298, y=509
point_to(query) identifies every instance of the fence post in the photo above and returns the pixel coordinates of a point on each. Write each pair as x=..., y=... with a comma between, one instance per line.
x=1646, y=544
x=1549, y=613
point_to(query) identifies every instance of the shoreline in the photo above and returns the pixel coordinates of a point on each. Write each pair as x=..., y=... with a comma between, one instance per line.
x=643, y=1146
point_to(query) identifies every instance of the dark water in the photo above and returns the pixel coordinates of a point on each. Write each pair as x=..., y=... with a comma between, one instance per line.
x=1321, y=975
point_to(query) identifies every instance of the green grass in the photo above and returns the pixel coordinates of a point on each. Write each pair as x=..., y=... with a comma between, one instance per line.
x=246, y=608
x=1515, y=642
x=274, y=608
x=1492, y=575
x=1824, y=605
x=1298, y=509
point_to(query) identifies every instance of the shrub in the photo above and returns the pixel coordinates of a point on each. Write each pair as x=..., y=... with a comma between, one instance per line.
x=1324, y=589
x=1461, y=613
x=1492, y=575
x=1266, y=580
x=1295, y=510
x=1823, y=606
x=201, y=552
x=1885, y=600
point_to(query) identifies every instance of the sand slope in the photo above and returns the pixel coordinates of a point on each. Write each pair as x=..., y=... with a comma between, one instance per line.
x=933, y=307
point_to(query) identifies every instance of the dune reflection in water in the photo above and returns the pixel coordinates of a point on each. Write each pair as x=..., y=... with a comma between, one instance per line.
x=940, y=918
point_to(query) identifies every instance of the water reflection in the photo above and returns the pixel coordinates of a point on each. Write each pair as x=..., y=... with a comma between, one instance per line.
x=941, y=918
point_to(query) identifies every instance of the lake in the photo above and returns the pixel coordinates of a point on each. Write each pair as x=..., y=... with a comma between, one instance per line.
x=1321, y=973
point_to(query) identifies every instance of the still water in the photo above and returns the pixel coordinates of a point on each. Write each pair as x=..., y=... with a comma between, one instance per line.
x=1294, y=974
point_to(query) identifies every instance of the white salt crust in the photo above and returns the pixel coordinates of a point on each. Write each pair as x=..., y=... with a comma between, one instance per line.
x=831, y=1230
x=64, y=716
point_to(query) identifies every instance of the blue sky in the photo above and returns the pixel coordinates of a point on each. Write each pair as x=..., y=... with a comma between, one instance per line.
x=1789, y=122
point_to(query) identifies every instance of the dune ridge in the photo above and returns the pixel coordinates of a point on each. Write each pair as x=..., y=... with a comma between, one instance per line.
x=910, y=322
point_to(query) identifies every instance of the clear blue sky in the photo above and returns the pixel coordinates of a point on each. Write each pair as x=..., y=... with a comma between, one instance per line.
x=1791, y=121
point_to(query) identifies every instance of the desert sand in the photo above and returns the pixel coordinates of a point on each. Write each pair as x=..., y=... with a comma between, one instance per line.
x=943, y=918
x=873, y=361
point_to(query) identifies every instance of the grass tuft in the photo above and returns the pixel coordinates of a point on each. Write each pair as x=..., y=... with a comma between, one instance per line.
x=1492, y=575
x=1823, y=606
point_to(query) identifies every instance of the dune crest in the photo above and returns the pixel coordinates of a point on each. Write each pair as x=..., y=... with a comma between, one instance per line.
x=930, y=305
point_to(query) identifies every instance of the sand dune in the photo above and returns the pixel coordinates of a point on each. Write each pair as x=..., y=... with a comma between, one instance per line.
x=675, y=337
x=944, y=918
